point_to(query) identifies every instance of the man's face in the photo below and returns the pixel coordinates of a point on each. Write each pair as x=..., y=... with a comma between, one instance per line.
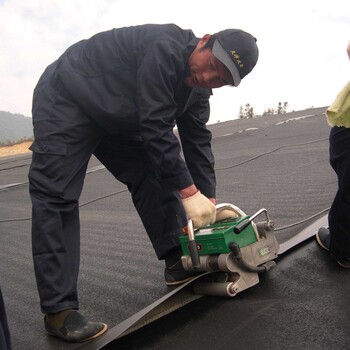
x=205, y=70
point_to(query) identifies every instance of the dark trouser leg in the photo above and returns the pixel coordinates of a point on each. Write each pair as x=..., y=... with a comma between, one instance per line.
x=64, y=142
x=160, y=210
x=339, y=215
x=5, y=338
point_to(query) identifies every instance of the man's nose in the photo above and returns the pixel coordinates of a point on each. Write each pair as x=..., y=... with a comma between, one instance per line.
x=208, y=77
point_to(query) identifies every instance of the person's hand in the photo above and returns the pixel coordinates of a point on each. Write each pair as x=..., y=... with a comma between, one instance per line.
x=199, y=209
x=225, y=213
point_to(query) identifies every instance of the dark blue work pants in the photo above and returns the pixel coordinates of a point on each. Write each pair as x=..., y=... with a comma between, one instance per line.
x=65, y=139
x=339, y=215
x=5, y=338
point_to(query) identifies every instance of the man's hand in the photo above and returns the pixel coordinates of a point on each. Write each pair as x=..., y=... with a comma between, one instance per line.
x=199, y=209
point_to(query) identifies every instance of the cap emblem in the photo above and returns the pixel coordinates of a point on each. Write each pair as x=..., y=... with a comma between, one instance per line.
x=237, y=58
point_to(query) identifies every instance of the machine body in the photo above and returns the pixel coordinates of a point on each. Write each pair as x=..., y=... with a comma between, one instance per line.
x=237, y=247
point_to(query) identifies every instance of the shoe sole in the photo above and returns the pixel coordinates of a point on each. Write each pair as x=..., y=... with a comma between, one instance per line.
x=176, y=283
x=343, y=265
x=59, y=335
x=103, y=330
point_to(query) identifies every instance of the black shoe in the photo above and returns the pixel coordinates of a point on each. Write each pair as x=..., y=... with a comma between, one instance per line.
x=174, y=272
x=323, y=238
x=178, y=275
x=76, y=328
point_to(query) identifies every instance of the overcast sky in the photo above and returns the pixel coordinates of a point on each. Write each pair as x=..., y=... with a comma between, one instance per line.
x=302, y=44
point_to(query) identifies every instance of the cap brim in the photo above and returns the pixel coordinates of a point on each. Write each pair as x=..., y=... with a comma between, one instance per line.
x=224, y=58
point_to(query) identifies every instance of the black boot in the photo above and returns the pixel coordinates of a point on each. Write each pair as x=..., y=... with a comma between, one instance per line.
x=73, y=327
x=174, y=272
x=323, y=240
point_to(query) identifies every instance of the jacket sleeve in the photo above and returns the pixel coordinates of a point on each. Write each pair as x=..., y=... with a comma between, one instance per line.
x=196, y=144
x=158, y=78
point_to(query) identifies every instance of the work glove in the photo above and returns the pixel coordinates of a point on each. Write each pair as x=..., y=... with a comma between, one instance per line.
x=199, y=209
x=225, y=213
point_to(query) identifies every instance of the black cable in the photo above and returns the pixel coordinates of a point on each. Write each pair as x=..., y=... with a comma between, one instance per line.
x=302, y=221
x=268, y=152
x=103, y=197
x=223, y=168
x=14, y=167
x=14, y=160
x=81, y=205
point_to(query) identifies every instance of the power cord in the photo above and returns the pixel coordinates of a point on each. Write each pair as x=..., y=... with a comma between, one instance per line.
x=222, y=168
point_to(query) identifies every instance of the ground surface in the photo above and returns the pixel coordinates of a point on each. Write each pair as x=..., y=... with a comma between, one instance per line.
x=279, y=163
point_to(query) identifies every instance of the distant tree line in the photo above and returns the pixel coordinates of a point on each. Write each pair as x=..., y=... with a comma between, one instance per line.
x=14, y=128
x=247, y=111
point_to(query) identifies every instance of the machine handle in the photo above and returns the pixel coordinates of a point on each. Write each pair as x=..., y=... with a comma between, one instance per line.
x=232, y=207
x=242, y=225
x=192, y=246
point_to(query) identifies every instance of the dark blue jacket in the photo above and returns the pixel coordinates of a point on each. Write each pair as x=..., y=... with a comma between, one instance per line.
x=131, y=80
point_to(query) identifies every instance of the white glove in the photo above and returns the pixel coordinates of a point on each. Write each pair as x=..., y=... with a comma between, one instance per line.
x=199, y=209
x=224, y=213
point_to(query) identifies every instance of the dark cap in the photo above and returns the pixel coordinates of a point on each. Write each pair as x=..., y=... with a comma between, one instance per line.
x=238, y=51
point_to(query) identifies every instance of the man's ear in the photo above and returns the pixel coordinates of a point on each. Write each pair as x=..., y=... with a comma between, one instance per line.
x=204, y=40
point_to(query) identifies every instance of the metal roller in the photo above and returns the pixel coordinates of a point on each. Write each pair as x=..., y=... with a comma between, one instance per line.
x=223, y=289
